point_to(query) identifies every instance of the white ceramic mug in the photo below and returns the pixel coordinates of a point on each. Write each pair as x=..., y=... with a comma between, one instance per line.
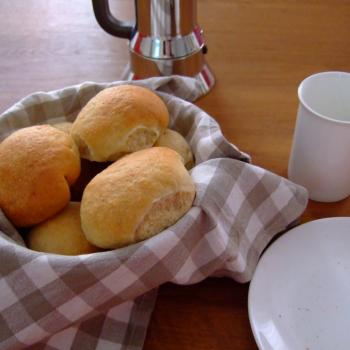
x=320, y=155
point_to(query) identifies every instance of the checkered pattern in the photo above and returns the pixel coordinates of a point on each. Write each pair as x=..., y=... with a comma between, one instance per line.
x=98, y=301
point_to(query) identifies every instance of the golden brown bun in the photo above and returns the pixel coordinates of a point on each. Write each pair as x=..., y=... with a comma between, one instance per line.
x=172, y=139
x=119, y=120
x=61, y=234
x=136, y=197
x=37, y=165
x=63, y=126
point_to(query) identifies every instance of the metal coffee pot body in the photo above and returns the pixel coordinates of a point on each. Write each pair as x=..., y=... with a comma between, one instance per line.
x=165, y=40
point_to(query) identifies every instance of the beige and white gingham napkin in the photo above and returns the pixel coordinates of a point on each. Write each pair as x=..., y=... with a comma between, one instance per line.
x=98, y=301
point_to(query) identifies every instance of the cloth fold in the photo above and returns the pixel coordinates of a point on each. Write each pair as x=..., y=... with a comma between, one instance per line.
x=104, y=300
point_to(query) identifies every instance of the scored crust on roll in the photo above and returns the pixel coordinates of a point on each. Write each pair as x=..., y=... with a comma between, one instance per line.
x=61, y=234
x=174, y=140
x=37, y=166
x=136, y=197
x=119, y=120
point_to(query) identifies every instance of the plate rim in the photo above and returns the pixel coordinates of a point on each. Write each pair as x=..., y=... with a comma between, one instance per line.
x=263, y=256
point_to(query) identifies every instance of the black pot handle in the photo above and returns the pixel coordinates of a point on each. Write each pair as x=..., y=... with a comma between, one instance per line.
x=109, y=23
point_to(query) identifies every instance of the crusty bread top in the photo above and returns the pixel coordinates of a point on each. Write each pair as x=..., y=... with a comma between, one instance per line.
x=37, y=165
x=104, y=128
x=115, y=202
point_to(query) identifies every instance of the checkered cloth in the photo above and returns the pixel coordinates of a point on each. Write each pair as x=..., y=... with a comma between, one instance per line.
x=98, y=301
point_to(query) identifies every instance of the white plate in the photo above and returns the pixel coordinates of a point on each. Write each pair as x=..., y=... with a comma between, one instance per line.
x=299, y=297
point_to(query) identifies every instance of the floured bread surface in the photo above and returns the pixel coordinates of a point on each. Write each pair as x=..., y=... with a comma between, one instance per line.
x=174, y=140
x=136, y=197
x=119, y=120
x=37, y=166
x=61, y=234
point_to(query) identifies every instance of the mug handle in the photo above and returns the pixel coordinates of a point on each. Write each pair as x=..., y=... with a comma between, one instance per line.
x=109, y=23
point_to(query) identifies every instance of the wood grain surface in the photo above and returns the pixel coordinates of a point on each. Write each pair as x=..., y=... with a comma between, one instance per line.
x=259, y=50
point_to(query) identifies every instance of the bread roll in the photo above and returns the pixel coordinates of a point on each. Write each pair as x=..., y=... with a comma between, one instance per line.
x=37, y=165
x=119, y=120
x=172, y=139
x=63, y=126
x=61, y=234
x=136, y=197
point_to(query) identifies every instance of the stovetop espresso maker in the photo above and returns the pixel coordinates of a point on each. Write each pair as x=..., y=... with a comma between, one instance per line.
x=165, y=39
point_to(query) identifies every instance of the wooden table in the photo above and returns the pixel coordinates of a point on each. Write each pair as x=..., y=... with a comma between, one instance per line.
x=259, y=51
